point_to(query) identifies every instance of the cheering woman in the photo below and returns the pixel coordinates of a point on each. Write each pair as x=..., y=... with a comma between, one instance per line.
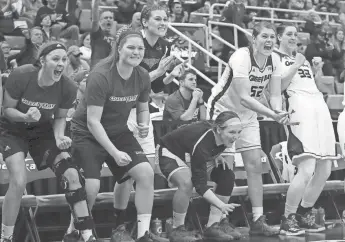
x=99, y=126
x=204, y=142
x=311, y=144
x=36, y=101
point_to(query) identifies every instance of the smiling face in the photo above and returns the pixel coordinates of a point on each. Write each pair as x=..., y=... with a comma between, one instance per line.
x=230, y=132
x=157, y=23
x=288, y=39
x=264, y=42
x=131, y=52
x=54, y=63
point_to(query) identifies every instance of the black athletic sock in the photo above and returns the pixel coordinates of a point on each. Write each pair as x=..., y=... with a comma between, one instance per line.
x=302, y=210
x=119, y=216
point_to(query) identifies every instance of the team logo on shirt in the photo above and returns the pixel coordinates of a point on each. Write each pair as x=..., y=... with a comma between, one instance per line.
x=260, y=79
x=150, y=62
x=126, y=99
x=109, y=39
x=38, y=104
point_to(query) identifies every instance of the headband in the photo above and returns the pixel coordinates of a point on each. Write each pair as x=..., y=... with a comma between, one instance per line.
x=123, y=33
x=50, y=48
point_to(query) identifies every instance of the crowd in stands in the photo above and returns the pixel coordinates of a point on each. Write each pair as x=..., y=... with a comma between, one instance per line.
x=38, y=21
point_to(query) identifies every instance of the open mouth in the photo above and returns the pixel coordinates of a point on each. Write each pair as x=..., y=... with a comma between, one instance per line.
x=268, y=47
x=162, y=28
x=58, y=72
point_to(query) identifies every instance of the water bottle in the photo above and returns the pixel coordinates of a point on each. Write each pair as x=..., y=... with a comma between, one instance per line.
x=168, y=226
x=321, y=213
x=157, y=227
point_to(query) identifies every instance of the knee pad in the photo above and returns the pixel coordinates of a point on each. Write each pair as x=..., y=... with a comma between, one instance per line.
x=59, y=169
x=225, y=180
x=73, y=197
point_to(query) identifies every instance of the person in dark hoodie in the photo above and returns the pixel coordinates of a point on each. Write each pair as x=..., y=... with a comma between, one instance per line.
x=28, y=54
x=234, y=13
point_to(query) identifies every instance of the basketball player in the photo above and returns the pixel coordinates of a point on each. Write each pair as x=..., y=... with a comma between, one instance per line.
x=204, y=142
x=249, y=71
x=36, y=101
x=156, y=61
x=341, y=130
x=99, y=126
x=311, y=144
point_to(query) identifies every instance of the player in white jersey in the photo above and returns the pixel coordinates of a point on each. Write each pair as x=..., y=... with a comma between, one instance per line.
x=341, y=129
x=250, y=70
x=311, y=144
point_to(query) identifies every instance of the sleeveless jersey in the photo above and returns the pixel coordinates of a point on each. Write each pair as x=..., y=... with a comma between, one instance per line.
x=303, y=81
x=242, y=64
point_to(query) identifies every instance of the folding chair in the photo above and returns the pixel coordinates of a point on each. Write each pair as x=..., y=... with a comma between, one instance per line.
x=28, y=201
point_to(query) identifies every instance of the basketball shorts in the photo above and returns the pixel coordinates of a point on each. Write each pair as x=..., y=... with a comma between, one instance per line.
x=341, y=131
x=170, y=164
x=90, y=155
x=41, y=146
x=314, y=136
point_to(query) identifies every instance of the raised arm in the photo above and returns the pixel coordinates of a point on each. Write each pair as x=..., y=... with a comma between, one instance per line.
x=95, y=15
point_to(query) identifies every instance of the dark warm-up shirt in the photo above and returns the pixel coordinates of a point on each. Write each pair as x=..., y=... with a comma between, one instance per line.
x=198, y=140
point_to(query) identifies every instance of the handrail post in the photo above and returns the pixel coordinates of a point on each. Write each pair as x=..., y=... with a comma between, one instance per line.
x=272, y=15
x=207, y=44
x=236, y=37
x=189, y=53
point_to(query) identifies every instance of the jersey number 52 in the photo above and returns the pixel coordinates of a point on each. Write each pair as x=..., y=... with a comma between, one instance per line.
x=256, y=91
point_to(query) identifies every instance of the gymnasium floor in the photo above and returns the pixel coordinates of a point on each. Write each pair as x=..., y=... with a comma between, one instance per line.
x=335, y=234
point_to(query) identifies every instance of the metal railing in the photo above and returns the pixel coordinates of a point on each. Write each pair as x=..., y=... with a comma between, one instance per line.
x=206, y=31
x=271, y=10
x=236, y=29
x=201, y=49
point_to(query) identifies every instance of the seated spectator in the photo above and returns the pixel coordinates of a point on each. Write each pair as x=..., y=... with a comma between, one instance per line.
x=136, y=23
x=126, y=9
x=5, y=53
x=85, y=47
x=3, y=67
x=28, y=55
x=187, y=102
x=265, y=13
x=308, y=5
x=323, y=47
x=61, y=25
x=177, y=14
x=31, y=7
x=46, y=27
x=77, y=68
x=339, y=50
